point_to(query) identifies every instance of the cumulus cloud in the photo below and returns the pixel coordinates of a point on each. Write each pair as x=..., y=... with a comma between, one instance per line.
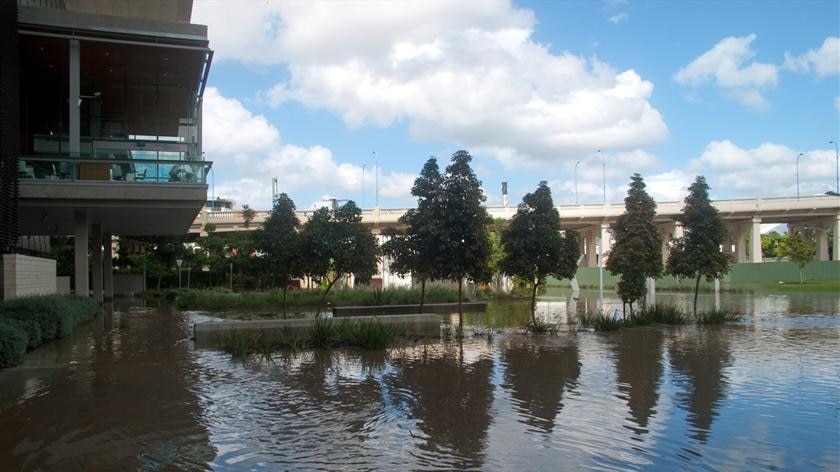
x=463, y=72
x=248, y=152
x=729, y=65
x=823, y=61
x=767, y=170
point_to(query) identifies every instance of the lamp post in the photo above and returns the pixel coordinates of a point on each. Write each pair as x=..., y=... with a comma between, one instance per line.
x=836, y=164
x=801, y=155
x=179, y=262
x=576, y=188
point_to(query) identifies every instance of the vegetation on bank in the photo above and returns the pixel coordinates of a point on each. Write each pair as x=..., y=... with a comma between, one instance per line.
x=26, y=323
x=326, y=333
x=657, y=314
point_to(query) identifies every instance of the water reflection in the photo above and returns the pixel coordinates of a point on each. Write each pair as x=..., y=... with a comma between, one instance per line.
x=449, y=397
x=638, y=365
x=537, y=375
x=700, y=357
x=111, y=400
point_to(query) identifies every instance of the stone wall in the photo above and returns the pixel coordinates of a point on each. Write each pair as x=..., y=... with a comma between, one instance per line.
x=27, y=275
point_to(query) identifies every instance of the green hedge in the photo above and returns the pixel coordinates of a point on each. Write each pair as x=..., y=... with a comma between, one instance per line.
x=38, y=319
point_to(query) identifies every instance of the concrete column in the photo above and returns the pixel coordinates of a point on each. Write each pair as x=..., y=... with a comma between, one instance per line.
x=606, y=243
x=666, y=233
x=741, y=244
x=108, y=269
x=679, y=231
x=73, y=102
x=80, y=249
x=591, y=249
x=582, y=249
x=822, y=243
x=755, y=240
x=651, y=291
x=96, y=261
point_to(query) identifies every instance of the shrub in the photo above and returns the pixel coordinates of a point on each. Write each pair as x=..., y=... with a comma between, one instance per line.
x=324, y=333
x=56, y=315
x=13, y=342
x=371, y=335
x=666, y=314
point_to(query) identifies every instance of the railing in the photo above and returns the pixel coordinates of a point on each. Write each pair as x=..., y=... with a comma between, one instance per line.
x=113, y=170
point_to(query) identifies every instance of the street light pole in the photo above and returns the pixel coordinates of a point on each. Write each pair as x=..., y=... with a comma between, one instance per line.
x=801, y=155
x=576, y=188
x=837, y=164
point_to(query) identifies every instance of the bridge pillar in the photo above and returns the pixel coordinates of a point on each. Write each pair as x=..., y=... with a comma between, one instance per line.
x=755, y=240
x=679, y=231
x=80, y=250
x=665, y=234
x=821, y=234
x=606, y=243
x=835, y=250
x=591, y=249
x=740, y=244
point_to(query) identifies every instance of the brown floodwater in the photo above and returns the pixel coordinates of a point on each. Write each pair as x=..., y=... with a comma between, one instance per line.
x=131, y=392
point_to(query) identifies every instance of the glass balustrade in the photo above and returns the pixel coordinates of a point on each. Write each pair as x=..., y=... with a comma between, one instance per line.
x=59, y=168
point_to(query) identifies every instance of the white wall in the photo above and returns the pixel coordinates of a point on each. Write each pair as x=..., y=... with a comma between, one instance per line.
x=27, y=275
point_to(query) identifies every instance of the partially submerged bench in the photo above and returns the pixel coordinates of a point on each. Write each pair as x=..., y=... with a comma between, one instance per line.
x=438, y=308
x=207, y=333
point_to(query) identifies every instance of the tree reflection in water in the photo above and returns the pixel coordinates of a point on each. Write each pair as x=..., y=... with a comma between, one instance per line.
x=450, y=399
x=537, y=375
x=638, y=365
x=699, y=356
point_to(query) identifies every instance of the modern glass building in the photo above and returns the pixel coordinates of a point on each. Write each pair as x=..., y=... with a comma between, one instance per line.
x=108, y=124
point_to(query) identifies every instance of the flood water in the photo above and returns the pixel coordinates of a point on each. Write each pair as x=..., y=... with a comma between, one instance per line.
x=132, y=393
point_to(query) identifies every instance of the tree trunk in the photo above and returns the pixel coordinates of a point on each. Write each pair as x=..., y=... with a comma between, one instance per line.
x=324, y=296
x=534, y=301
x=285, y=287
x=696, y=289
x=422, y=294
x=460, y=311
x=801, y=278
x=624, y=309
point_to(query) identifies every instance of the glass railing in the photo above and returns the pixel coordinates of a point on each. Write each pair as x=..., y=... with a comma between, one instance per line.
x=173, y=148
x=112, y=170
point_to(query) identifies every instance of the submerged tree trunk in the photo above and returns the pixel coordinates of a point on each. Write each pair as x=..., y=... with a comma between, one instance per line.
x=534, y=301
x=285, y=287
x=422, y=294
x=696, y=289
x=460, y=311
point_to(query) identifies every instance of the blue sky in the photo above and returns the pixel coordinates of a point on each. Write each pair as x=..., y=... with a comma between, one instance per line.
x=307, y=92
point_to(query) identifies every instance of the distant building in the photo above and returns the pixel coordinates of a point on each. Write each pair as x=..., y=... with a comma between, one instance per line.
x=107, y=125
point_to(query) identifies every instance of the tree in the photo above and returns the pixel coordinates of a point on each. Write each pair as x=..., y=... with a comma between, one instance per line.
x=637, y=252
x=771, y=245
x=335, y=244
x=534, y=248
x=464, y=224
x=416, y=250
x=799, y=250
x=248, y=215
x=698, y=253
x=280, y=244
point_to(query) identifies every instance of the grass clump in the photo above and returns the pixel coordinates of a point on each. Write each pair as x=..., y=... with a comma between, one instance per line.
x=13, y=343
x=717, y=317
x=666, y=314
x=541, y=327
x=371, y=335
x=325, y=333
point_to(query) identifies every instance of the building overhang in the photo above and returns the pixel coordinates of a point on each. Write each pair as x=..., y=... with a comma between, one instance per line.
x=129, y=209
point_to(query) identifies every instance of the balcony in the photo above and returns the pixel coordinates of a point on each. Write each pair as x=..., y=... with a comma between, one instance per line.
x=158, y=171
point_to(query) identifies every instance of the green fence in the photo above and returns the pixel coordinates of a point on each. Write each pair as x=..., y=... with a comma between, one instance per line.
x=740, y=273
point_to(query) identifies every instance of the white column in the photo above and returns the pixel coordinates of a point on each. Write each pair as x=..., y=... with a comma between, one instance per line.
x=822, y=243
x=607, y=241
x=74, y=120
x=741, y=244
x=755, y=240
x=108, y=270
x=96, y=261
x=679, y=231
x=836, y=246
x=591, y=249
x=80, y=249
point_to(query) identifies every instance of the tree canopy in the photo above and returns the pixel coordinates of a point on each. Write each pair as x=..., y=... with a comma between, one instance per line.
x=637, y=252
x=534, y=248
x=698, y=253
x=279, y=244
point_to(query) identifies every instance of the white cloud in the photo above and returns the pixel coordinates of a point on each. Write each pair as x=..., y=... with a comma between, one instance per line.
x=728, y=64
x=248, y=152
x=823, y=61
x=837, y=103
x=618, y=18
x=463, y=72
x=768, y=170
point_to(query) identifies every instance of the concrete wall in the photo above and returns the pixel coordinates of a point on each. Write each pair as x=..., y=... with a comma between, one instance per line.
x=128, y=284
x=27, y=275
x=62, y=284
